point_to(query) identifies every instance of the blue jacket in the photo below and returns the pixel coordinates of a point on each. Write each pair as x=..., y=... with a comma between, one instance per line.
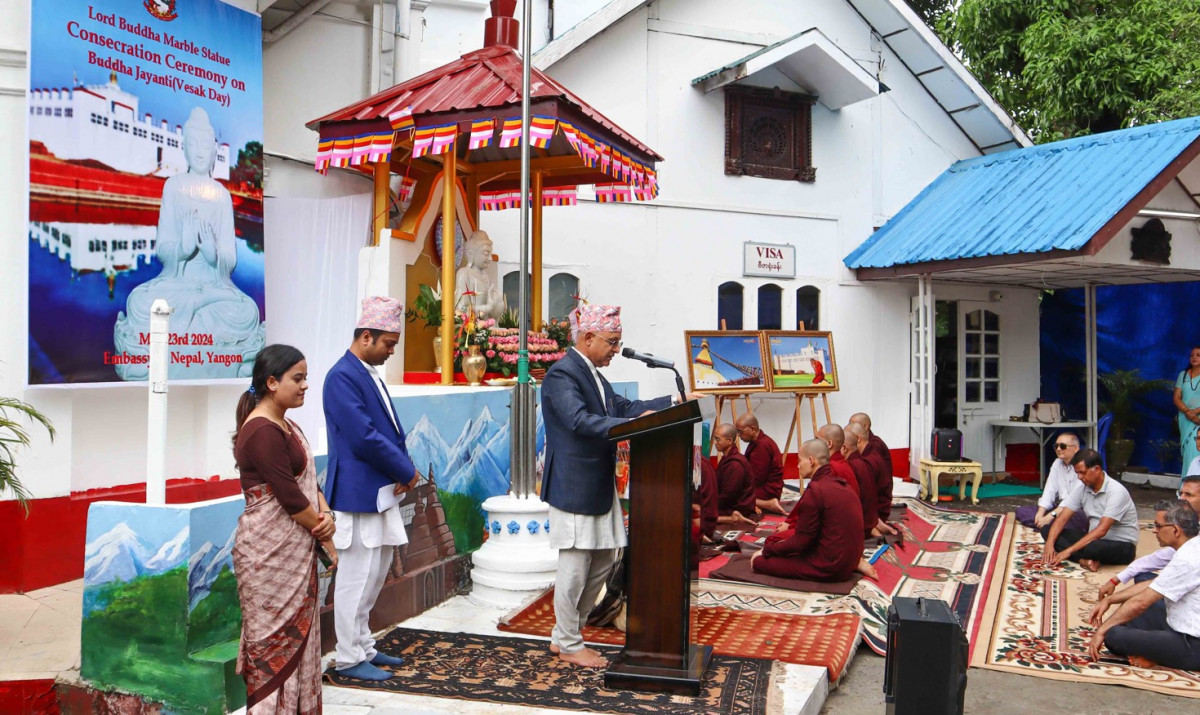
x=366, y=451
x=578, y=475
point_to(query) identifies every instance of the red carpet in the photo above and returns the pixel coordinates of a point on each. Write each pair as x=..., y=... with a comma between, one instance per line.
x=826, y=641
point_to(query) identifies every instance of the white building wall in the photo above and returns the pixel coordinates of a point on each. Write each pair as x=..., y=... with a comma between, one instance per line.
x=663, y=261
x=871, y=158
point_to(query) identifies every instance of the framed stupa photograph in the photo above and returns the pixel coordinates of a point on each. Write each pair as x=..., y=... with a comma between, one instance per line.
x=726, y=361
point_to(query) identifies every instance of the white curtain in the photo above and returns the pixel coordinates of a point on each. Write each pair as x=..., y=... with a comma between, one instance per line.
x=311, y=255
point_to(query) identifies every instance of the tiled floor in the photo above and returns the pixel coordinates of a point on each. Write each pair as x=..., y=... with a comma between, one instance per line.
x=39, y=632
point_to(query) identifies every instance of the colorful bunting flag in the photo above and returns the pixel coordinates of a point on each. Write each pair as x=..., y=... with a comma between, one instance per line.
x=422, y=141
x=405, y=192
x=482, y=132
x=401, y=119
x=541, y=131
x=443, y=139
x=510, y=134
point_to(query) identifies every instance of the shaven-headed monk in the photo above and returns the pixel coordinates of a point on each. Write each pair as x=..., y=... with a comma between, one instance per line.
x=878, y=454
x=833, y=438
x=766, y=464
x=735, y=489
x=827, y=543
x=864, y=472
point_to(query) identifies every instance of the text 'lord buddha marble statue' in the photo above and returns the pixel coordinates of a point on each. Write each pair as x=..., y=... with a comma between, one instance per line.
x=212, y=321
x=474, y=279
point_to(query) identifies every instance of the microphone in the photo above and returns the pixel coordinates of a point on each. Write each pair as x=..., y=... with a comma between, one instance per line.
x=647, y=358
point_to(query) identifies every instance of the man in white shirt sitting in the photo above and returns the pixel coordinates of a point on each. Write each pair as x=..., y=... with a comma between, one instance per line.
x=1148, y=567
x=1112, y=520
x=1168, y=637
x=1060, y=482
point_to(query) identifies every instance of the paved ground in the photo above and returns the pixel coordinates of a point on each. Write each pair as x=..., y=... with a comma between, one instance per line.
x=990, y=691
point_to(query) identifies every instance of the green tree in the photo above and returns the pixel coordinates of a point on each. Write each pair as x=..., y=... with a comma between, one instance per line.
x=931, y=11
x=249, y=167
x=1066, y=68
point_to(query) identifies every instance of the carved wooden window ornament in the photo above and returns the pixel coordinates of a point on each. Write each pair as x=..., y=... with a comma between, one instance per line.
x=768, y=133
x=1151, y=243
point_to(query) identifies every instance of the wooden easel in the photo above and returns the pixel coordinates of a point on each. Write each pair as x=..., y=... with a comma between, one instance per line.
x=797, y=413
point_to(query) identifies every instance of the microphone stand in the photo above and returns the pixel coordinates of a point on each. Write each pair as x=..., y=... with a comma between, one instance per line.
x=678, y=381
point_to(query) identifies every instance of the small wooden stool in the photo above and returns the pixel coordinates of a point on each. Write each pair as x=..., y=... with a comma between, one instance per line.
x=930, y=470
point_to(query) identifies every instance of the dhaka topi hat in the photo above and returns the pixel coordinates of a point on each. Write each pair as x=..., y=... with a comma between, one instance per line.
x=595, y=318
x=381, y=312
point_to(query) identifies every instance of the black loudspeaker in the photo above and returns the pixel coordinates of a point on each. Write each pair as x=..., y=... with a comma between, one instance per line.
x=925, y=672
x=945, y=445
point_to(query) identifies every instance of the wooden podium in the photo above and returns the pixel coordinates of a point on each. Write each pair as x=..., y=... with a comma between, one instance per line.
x=659, y=655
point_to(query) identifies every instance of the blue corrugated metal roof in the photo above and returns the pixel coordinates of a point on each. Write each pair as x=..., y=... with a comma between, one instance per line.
x=1031, y=200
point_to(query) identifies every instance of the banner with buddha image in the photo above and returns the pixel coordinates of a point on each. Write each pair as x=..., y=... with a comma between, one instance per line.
x=145, y=183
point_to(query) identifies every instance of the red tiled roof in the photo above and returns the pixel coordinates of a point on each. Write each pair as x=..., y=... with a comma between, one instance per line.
x=470, y=87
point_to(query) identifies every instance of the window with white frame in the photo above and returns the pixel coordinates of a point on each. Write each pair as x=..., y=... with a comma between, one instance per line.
x=981, y=356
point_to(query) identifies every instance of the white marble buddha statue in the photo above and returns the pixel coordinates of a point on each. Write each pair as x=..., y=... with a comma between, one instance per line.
x=475, y=277
x=197, y=249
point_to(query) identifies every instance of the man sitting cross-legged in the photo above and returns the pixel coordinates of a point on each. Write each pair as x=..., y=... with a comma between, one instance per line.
x=1148, y=636
x=1060, y=482
x=1112, y=520
x=735, y=489
x=827, y=542
x=766, y=464
x=1148, y=566
x=865, y=474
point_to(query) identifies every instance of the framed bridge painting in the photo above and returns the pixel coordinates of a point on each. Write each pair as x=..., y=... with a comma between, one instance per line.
x=726, y=361
x=801, y=361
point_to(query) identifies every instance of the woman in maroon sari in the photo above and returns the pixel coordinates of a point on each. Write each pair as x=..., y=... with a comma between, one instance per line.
x=275, y=552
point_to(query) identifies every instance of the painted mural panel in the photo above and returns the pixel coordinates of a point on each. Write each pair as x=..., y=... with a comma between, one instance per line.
x=160, y=610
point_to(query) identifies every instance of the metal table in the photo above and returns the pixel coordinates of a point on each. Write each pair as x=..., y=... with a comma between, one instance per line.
x=1041, y=429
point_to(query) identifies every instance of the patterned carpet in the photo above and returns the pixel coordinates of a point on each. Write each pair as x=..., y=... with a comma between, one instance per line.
x=521, y=671
x=827, y=641
x=948, y=555
x=1040, y=628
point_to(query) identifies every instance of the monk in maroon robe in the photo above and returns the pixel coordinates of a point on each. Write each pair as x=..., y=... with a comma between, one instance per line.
x=833, y=438
x=827, y=542
x=735, y=488
x=864, y=472
x=766, y=464
x=706, y=499
x=879, y=456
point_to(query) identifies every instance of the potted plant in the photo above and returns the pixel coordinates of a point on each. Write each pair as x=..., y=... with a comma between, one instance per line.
x=13, y=414
x=1124, y=388
x=427, y=307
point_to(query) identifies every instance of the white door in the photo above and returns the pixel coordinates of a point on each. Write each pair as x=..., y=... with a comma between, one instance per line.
x=980, y=383
x=920, y=415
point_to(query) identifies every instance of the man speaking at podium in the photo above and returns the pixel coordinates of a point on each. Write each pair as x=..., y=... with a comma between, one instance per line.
x=579, y=407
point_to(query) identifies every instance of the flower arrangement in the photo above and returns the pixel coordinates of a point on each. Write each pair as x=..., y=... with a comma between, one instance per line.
x=501, y=345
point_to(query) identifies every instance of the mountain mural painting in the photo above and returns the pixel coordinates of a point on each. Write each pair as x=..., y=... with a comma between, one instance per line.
x=477, y=464
x=160, y=609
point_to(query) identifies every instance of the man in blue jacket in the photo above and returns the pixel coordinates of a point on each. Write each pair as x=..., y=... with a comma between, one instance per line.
x=578, y=479
x=368, y=462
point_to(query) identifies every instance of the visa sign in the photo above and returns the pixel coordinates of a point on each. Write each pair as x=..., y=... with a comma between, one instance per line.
x=770, y=260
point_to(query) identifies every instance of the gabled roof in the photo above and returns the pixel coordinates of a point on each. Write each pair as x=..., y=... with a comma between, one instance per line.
x=475, y=86
x=942, y=75
x=1052, y=201
x=810, y=60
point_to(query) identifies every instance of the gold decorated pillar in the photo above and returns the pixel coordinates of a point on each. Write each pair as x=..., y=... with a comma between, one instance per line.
x=449, y=162
x=382, y=176
x=535, y=188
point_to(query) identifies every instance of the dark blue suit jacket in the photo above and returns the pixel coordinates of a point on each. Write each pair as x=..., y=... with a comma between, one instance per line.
x=578, y=474
x=366, y=451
